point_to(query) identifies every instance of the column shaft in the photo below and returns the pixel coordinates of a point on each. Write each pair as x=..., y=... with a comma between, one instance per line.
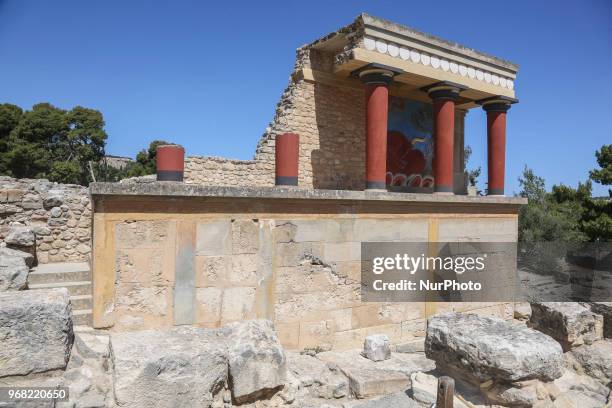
x=377, y=101
x=496, y=146
x=444, y=139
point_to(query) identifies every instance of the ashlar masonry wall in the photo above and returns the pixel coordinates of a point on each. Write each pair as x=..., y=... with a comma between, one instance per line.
x=209, y=256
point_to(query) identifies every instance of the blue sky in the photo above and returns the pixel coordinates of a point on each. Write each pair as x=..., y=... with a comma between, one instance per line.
x=208, y=75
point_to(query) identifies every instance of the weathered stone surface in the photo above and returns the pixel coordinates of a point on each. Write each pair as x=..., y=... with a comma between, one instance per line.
x=397, y=400
x=92, y=344
x=576, y=386
x=322, y=380
x=54, y=199
x=20, y=236
x=604, y=309
x=257, y=364
x=486, y=348
x=36, y=331
x=570, y=323
x=595, y=360
x=376, y=347
x=180, y=367
x=525, y=393
x=369, y=379
x=424, y=389
x=13, y=272
x=27, y=257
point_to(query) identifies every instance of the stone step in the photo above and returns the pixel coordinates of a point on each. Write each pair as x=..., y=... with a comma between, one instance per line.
x=82, y=317
x=37, y=277
x=80, y=302
x=74, y=288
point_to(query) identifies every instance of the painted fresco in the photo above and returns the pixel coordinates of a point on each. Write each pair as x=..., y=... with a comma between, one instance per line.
x=409, y=144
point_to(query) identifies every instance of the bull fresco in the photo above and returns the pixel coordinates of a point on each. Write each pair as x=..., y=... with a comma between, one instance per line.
x=409, y=144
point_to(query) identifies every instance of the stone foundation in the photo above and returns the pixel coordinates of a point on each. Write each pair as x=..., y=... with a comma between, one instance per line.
x=168, y=254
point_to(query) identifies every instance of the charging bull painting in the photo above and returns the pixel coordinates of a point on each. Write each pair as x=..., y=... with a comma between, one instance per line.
x=409, y=144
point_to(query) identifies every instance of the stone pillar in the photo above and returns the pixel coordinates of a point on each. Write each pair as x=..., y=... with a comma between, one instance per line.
x=170, y=160
x=376, y=79
x=287, y=155
x=444, y=95
x=496, y=109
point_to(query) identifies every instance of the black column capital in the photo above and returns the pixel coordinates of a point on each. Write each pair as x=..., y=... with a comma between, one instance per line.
x=372, y=74
x=444, y=90
x=497, y=103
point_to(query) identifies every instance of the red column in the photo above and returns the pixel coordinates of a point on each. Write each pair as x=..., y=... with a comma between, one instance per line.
x=287, y=151
x=496, y=145
x=377, y=104
x=444, y=95
x=170, y=162
x=444, y=141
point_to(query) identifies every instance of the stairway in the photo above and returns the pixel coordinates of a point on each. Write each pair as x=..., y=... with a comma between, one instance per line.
x=74, y=276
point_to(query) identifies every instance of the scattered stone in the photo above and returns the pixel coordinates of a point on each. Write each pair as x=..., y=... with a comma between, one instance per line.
x=27, y=257
x=376, y=347
x=36, y=331
x=524, y=393
x=13, y=272
x=572, y=384
x=182, y=366
x=320, y=379
x=485, y=348
x=595, y=360
x=257, y=364
x=570, y=323
x=20, y=236
x=369, y=379
x=605, y=310
x=522, y=311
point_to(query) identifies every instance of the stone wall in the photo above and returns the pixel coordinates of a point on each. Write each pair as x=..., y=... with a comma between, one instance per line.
x=59, y=215
x=216, y=259
x=218, y=171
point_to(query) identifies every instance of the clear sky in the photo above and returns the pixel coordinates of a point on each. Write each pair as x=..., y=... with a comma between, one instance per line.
x=208, y=74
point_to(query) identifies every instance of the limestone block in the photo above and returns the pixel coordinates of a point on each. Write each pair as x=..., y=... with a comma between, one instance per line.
x=36, y=331
x=484, y=348
x=317, y=335
x=238, y=304
x=575, y=386
x=13, y=272
x=140, y=234
x=245, y=236
x=570, y=323
x=209, y=302
x=182, y=366
x=376, y=347
x=257, y=363
x=20, y=236
x=481, y=229
x=605, y=310
x=214, y=237
x=396, y=400
x=244, y=270
x=27, y=257
x=595, y=360
x=343, y=251
x=212, y=270
x=320, y=379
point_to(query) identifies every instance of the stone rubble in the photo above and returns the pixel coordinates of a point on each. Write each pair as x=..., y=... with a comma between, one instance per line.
x=485, y=348
x=570, y=323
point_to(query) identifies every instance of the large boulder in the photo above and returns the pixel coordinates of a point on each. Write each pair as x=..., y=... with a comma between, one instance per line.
x=27, y=257
x=570, y=323
x=35, y=331
x=179, y=367
x=486, y=348
x=257, y=363
x=13, y=273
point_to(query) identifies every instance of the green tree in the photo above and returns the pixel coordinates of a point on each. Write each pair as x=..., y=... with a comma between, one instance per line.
x=603, y=175
x=48, y=142
x=471, y=174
